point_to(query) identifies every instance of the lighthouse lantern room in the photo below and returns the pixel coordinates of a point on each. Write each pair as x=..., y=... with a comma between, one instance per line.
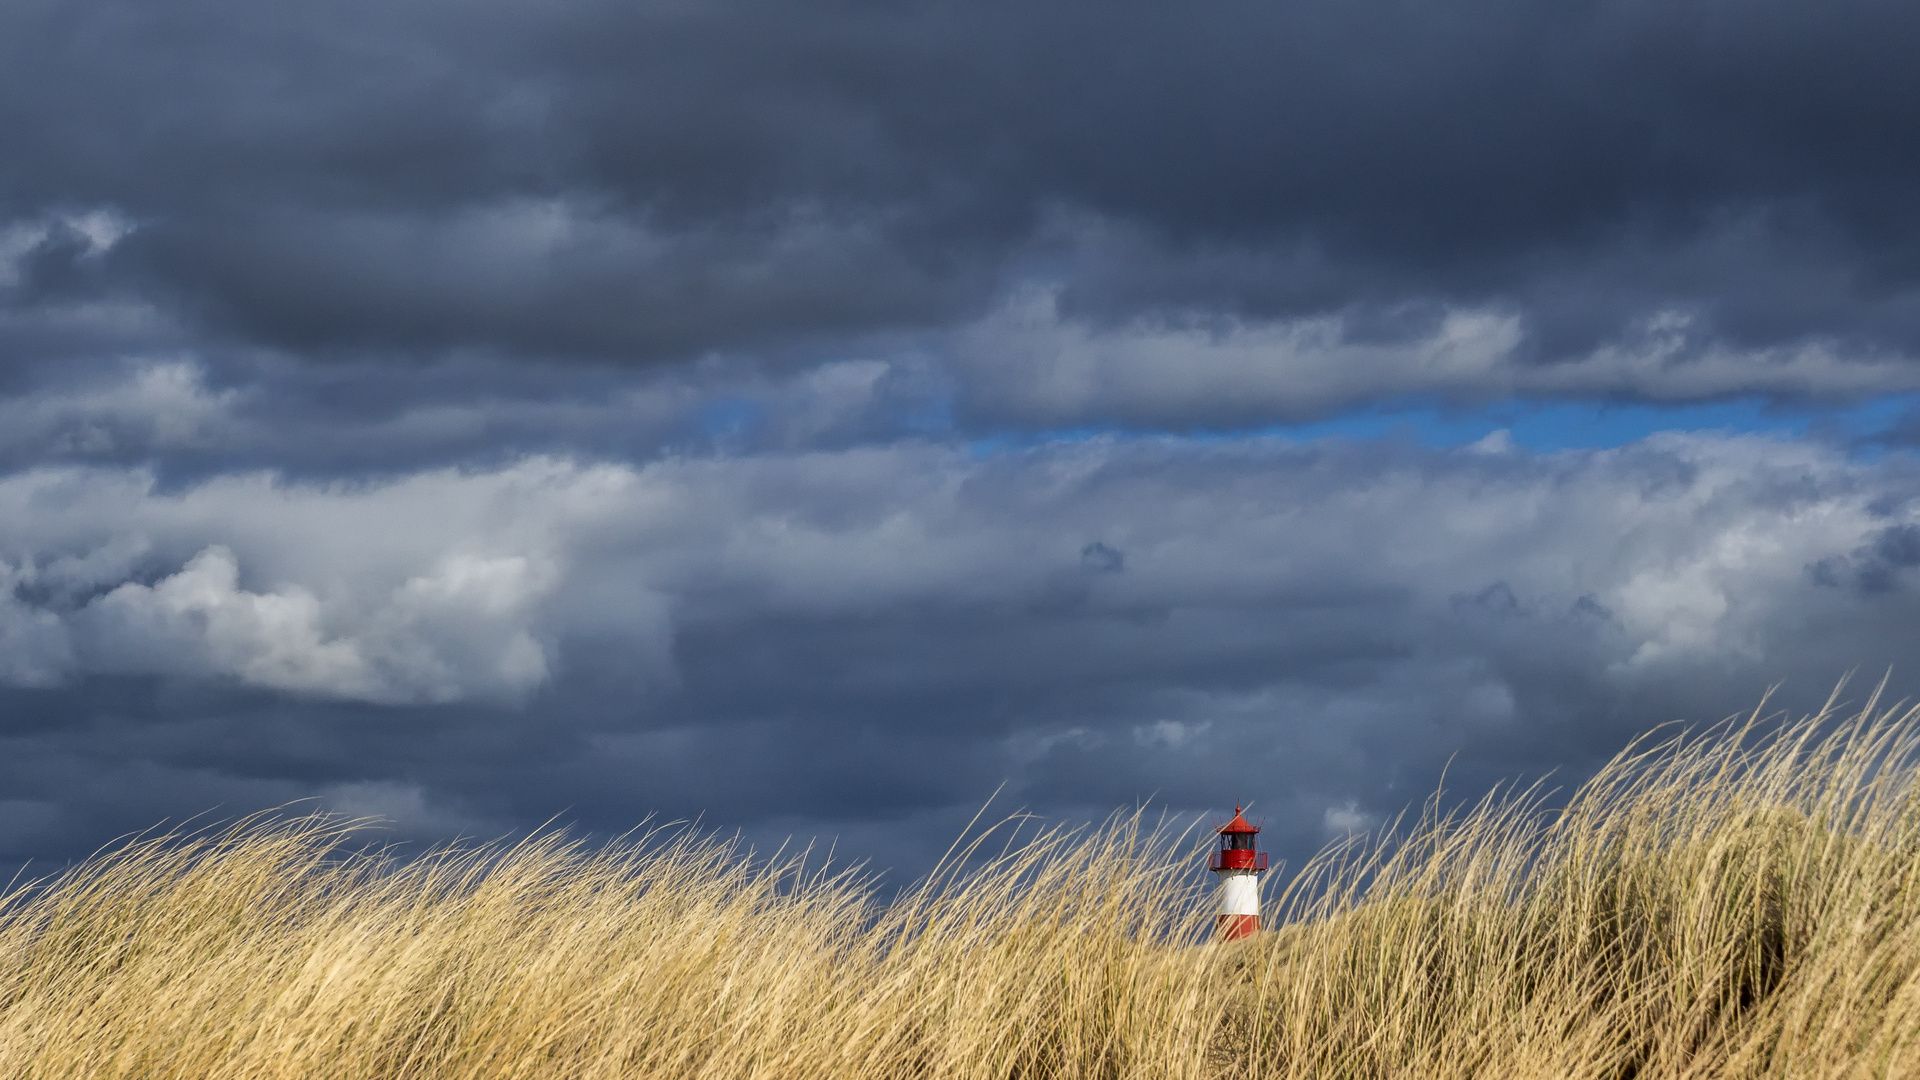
x=1239, y=866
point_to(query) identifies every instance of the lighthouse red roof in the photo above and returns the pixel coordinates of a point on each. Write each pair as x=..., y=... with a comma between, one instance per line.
x=1237, y=825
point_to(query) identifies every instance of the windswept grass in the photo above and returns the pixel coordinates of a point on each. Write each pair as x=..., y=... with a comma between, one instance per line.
x=1739, y=903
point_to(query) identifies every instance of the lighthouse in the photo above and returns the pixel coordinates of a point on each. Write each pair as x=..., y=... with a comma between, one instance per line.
x=1239, y=867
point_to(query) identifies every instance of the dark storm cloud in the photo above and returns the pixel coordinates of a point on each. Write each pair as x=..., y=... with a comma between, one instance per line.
x=656, y=181
x=885, y=634
x=472, y=412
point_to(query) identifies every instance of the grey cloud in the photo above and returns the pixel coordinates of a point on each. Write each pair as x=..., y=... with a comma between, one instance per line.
x=191, y=417
x=543, y=278
x=650, y=183
x=1025, y=365
x=1030, y=363
x=1874, y=567
x=887, y=633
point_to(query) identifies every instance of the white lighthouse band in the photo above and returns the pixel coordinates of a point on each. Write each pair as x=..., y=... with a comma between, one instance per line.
x=1240, y=893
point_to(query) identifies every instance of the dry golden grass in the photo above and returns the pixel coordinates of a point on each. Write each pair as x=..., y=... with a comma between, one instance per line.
x=1731, y=904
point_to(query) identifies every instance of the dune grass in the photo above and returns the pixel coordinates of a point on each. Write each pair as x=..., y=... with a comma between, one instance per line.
x=1742, y=902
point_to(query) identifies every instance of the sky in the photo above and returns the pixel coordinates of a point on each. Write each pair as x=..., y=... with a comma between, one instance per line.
x=814, y=418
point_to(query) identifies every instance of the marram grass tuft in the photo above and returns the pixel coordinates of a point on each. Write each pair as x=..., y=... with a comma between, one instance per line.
x=1743, y=902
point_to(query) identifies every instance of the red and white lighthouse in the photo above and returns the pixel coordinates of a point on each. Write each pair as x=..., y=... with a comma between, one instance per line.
x=1239, y=867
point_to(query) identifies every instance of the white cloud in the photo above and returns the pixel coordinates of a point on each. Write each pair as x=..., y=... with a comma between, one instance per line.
x=425, y=589
x=452, y=585
x=1170, y=734
x=145, y=406
x=1347, y=819
x=453, y=633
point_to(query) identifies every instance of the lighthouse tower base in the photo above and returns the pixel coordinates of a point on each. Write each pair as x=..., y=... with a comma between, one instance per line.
x=1235, y=927
x=1239, y=905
